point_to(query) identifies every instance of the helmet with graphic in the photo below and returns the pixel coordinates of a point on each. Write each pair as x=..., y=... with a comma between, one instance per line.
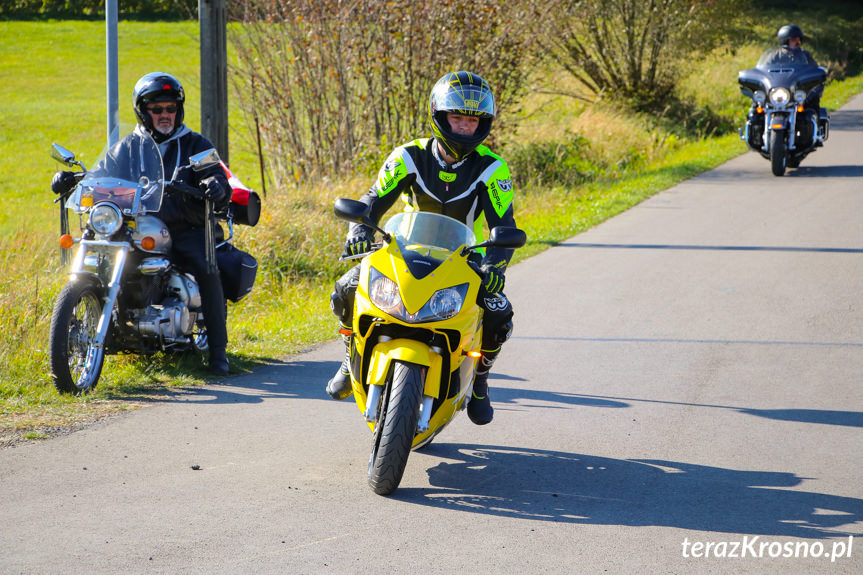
x=460, y=93
x=787, y=32
x=157, y=87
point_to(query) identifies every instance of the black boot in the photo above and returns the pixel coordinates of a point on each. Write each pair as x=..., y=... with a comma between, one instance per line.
x=218, y=361
x=479, y=408
x=339, y=387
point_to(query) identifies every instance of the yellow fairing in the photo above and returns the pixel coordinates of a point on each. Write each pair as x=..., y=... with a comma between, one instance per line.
x=415, y=293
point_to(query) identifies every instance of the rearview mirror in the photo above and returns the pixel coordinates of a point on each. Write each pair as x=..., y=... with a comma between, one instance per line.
x=204, y=160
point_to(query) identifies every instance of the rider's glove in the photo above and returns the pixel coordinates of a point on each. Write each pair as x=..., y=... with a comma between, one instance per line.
x=492, y=278
x=359, y=242
x=63, y=182
x=214, y=190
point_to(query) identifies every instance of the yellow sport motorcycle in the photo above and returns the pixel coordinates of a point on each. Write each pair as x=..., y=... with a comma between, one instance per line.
x=417, y=330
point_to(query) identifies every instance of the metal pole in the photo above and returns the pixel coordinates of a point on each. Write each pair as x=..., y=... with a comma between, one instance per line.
x=112, y=68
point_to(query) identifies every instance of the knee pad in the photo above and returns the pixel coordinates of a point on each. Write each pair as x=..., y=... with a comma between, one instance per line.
x=503, y=333
x=337, y=304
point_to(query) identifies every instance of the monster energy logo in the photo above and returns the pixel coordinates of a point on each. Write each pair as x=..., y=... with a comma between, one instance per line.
x=446, y=176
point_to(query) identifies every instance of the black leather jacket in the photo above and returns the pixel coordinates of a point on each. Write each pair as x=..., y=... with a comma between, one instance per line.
x=179, y=211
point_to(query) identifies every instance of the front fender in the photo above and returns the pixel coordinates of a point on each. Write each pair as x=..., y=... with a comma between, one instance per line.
x=778, y=122
x=410, y=351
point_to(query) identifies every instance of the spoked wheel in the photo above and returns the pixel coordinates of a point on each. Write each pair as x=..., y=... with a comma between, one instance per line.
x=396, y=427
x=777, y=153
x=76, y=361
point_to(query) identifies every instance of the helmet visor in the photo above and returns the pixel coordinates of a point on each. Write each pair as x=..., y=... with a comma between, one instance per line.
x=470, y=99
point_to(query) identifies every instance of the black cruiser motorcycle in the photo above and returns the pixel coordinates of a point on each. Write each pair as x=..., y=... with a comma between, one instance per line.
x=780, y=126
x=123, y=294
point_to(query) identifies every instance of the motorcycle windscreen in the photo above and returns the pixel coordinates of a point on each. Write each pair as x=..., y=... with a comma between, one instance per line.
x=128, y=173
x=427, y=239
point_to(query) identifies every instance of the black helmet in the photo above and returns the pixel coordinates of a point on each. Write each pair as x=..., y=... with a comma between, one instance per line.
x=157, y=87
x=789, y=31
x=462, y=93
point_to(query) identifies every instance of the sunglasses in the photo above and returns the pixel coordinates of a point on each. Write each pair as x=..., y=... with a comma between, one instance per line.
x=157, y=110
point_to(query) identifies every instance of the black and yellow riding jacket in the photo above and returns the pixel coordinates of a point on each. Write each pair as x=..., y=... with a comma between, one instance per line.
x=476, y=190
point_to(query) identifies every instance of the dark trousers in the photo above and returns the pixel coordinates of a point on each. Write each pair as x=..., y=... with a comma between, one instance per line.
x=189, y=254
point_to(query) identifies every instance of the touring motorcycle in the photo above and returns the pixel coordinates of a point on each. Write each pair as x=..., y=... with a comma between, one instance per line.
x=123, y=293
x=416, y=331
x=779, y=126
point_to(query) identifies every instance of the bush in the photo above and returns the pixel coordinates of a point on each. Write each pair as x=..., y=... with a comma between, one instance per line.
x=335, y=85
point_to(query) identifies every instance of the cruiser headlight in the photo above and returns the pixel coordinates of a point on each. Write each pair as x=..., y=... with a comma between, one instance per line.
x=799, y=96
x=780, y=96
x=105, y=219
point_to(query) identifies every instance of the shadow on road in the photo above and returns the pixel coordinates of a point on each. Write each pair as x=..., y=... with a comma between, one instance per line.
x=826, y=171
x=577, y=488
x=711, y=247
x=290, y=379
x=522, y=397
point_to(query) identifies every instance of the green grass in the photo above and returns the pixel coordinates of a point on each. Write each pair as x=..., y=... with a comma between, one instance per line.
x=52, y=89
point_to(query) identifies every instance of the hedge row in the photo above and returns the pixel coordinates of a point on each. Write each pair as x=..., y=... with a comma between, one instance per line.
x=95, y=9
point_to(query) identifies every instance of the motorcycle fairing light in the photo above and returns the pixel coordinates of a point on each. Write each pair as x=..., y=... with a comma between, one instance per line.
x=443, y=304
x=105, y=219
x=780, y=96
x=799, y=96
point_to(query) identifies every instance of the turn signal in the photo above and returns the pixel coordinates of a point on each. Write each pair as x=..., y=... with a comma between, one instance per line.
x=148, y=243
x=66, y=241
x=800, y=109
x=476, y=354
x=759, y=109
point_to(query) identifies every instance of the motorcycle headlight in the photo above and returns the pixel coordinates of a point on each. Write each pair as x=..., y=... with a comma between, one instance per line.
x=105, y=219
x=799, y=96
x=759, y=96
x=780, y=96
x=383, y=291
x=443, y=304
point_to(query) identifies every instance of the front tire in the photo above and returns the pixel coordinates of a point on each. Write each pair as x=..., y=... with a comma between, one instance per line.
x=396, y=427
x=76, y=362
x=778, y=153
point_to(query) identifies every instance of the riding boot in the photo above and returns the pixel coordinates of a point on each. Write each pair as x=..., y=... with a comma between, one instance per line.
x=339, y=386
x=479, y=408
x=218, y=361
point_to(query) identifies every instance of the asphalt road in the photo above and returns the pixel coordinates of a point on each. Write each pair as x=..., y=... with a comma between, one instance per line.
x=681, y=395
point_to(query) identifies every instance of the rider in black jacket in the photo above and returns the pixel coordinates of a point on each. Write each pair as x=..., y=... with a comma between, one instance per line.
x=455, y=175
x=158, y=101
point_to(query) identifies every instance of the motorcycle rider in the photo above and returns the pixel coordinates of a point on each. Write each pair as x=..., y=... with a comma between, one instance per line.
x=452, y=174
x=158, y=100
x=791, y=50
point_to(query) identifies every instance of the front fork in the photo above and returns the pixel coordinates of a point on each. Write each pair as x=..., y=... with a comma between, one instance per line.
x=777, y=121
x=110, y=298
